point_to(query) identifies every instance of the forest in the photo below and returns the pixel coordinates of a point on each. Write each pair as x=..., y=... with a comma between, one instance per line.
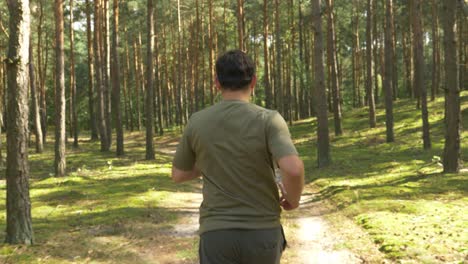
x=94, y=95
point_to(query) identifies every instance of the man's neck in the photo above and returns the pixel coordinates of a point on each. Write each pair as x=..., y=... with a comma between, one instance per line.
x=236, y=95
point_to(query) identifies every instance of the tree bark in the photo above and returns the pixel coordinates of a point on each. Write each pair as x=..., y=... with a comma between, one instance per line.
x=452, y=151
x=323, y=140
x=418, y=48
x=388, y=79
x=149, y=83
x=115, y=76
x=60, y=105
x=106, y=69
x=18, y=205
x=369, y=79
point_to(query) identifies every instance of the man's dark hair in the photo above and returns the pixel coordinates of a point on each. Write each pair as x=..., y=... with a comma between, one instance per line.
x=235, y=70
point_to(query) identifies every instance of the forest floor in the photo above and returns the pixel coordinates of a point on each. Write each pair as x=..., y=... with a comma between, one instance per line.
x=377, y=203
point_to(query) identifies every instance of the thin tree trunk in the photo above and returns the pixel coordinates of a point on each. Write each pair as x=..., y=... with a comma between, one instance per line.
x=107, y=87
x=278, y=46
x=115, y=76
x=418, y=48
x=137, y=84
x=18, y=205
x=369, y=79
x=435, y=50
x=149, y=87
x=452, y=151
x=268, y=93
x=323, y=140
x=73, y=110
x=334, y=75
x=211, y=48
x=42, y=73
x=240, y=24
x=388, y=76
x=91, y=93
x=35, y=102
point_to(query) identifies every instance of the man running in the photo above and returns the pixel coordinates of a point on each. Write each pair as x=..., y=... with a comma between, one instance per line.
x=235, y=146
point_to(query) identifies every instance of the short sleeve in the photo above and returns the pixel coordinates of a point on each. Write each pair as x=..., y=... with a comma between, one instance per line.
x=279, y=138
x=185, y=156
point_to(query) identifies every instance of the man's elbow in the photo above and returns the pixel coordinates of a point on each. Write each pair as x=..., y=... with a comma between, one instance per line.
x=176, y=176
x=296, y=171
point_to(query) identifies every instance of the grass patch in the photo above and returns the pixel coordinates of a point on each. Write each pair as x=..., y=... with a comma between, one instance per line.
x=107, y=209
x=395, y=191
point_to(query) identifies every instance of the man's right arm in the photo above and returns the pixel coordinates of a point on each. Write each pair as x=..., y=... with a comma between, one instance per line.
x=292, y=170
x=285, y=155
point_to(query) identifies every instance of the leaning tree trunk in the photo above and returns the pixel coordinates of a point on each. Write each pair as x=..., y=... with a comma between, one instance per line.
x=388, y=73
x=452, y=151
x=323, y=139
x=149, y=84
x=418, y=53
x=116, y=81
x=60, y=137
x=18, y=205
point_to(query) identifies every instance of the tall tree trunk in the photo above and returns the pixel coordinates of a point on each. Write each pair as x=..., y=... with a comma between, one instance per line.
x=42, y=73
x=388, y=75
x=18, y=205
x=99, y=76
x=418, y=48
x=158, y=100
x=115, y=76
x=355, y=50
x=91, y=93
x=323, y=140
x=452, y=151
x=73, y=110
x=138, y=84
x=278, y=62
x=211, y=47
x=60, y=105
x=435, y=50
x=35, y=102
x=240, y=24
x=334, y=74
x=107, y=87
x=268, y=93
x=369, y=79
x=149, y=84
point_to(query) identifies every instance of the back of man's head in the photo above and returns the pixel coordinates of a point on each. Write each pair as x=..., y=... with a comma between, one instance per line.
x=235, y=70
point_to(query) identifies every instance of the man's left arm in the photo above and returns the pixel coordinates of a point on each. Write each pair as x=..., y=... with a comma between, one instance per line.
x=183, y=165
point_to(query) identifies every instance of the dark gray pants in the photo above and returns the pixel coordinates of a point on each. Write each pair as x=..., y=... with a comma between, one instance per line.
x=242, y=246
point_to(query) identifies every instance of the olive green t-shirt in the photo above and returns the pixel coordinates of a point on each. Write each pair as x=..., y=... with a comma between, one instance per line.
x=234, y=144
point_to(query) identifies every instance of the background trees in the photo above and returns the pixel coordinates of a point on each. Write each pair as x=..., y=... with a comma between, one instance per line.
x=156, y=82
